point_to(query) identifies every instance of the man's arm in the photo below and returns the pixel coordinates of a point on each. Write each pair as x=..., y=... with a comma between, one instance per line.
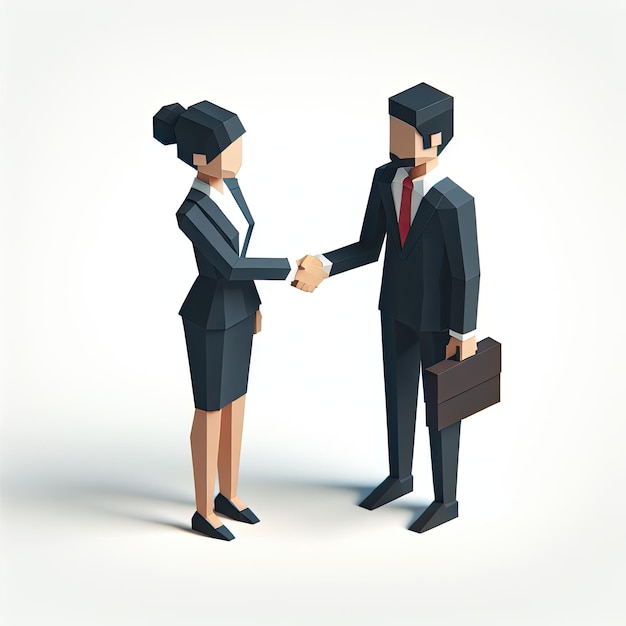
x=457, y=216
x=365, y=250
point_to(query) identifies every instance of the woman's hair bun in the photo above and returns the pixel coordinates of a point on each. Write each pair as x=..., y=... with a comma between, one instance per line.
x=164, y=121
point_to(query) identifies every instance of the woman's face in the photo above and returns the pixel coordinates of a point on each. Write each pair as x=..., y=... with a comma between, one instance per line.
x=224, y=165
x=231, y=159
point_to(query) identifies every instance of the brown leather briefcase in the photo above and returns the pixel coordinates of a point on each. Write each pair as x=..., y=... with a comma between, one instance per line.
x=457, y=389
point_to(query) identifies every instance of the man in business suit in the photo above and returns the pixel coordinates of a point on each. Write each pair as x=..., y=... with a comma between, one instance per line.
x=429, y=293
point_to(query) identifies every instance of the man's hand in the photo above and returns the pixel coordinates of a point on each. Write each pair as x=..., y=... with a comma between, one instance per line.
x=257, y=322
x=466, y=348
x=310, y=273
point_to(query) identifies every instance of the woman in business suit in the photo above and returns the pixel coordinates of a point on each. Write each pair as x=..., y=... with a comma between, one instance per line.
x=221, y=312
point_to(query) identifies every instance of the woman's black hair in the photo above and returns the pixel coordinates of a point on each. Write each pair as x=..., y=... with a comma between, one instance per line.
x=203, y=128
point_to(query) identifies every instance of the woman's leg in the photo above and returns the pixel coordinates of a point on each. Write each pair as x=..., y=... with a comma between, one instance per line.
x=205, y=437
x=230, y=450
x=227, y=502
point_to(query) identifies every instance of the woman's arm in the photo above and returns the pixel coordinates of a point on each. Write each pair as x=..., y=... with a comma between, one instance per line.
x=205, y=236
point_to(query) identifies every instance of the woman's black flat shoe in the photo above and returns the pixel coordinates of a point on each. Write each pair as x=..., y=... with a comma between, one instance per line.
x=201, y=525
x=225, y=507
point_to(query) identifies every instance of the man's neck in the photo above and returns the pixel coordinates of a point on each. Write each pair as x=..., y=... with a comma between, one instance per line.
x=419, y=171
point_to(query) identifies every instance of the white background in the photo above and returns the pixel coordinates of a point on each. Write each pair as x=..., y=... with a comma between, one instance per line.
x=96, y=400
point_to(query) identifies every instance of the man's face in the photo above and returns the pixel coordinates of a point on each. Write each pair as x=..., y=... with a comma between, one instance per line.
x=406, y=143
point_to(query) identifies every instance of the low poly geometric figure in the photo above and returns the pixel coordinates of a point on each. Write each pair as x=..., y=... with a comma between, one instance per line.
x=221, y=312
x=429, y=292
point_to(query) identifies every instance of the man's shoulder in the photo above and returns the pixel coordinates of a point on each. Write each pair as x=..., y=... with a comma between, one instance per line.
x=385, y=172
x=446, y=194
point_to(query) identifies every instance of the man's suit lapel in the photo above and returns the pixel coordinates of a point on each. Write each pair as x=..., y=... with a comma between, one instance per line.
x=393, y=230
x=423, y=216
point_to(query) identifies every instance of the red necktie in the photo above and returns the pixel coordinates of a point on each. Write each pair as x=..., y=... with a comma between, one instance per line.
x=404, y=222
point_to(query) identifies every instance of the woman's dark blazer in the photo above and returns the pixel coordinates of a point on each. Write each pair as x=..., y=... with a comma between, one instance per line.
x=224, y=292
x=218, y=313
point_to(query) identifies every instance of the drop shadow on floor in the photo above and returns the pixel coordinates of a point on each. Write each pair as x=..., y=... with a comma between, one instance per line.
x=359, y=492
x=172, y=506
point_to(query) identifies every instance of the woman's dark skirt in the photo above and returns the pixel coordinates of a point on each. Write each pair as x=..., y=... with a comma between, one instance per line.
x=219, y=361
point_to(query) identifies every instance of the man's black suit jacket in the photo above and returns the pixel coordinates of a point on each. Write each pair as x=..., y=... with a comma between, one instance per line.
x=430, y=283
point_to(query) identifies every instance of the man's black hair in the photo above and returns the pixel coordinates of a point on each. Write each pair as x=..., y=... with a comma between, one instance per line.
x=426, y=109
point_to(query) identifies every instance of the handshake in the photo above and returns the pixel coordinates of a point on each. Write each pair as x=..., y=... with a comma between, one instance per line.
x=310, y=273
